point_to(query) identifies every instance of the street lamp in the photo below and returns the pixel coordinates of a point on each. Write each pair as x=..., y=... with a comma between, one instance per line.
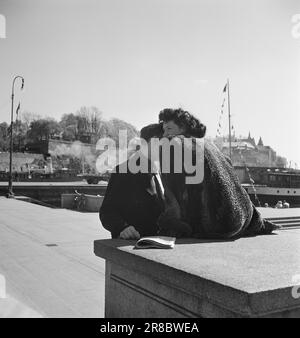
x=10, y=192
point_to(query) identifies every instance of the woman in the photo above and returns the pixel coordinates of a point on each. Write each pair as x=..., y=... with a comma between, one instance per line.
x=219, y=207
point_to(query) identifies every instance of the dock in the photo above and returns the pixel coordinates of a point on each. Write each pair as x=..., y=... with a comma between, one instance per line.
x=48, y=263
x=47, y=260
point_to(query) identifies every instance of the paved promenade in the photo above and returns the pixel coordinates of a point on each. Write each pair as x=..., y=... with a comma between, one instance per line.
x=65, y=280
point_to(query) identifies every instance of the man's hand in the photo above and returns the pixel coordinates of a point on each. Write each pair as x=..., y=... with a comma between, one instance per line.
x=129, y=233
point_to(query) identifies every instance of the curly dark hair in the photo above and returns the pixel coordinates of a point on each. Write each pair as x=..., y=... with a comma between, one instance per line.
x=183, y=119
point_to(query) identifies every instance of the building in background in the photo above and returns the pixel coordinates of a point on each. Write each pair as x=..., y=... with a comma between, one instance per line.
x=246, y=150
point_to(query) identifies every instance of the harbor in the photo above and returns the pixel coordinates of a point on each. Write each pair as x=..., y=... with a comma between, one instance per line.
x=149, y=163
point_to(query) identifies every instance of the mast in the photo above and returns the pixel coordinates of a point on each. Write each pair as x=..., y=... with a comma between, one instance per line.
x=229, y=118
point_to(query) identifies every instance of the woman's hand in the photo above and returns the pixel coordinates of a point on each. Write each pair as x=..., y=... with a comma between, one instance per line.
x=130, y=233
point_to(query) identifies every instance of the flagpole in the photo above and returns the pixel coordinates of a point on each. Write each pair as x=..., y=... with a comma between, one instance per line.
x=17, y=126
x=10, y=190
x=229, y=118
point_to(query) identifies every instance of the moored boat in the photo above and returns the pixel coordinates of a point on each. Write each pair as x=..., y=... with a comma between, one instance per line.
x=270, y=185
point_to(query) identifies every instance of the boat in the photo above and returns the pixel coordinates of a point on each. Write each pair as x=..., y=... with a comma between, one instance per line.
x=270, y=185
x=265, y=185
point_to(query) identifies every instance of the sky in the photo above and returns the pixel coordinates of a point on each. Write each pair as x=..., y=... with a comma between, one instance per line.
x=132, y=58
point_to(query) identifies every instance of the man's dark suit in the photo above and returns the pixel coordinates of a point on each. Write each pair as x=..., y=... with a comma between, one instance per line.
x=130, y=200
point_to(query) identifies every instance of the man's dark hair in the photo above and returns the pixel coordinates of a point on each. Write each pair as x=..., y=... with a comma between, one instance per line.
x=183, y=119
x=152, y=130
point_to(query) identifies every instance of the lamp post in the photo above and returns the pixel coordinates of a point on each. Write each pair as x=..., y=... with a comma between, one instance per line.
x=10, y=191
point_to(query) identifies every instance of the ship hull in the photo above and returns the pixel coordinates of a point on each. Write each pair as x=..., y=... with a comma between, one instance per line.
x=272, y=195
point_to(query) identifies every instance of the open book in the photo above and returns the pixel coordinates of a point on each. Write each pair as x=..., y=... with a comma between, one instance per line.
x=159, y=242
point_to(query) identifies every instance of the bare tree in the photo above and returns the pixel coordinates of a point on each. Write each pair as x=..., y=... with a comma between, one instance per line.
x=27, y=117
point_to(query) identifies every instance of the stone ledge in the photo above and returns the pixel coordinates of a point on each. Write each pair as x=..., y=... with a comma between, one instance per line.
x=249, y=277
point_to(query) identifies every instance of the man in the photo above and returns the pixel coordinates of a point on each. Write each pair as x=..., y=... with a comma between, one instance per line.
x=285, y=204
x=133, y=202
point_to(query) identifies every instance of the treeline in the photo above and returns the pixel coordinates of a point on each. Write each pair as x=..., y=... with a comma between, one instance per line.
x=85, y=125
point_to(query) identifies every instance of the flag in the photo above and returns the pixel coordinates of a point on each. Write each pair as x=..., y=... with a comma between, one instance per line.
x=17, y=111
x=224, y=90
